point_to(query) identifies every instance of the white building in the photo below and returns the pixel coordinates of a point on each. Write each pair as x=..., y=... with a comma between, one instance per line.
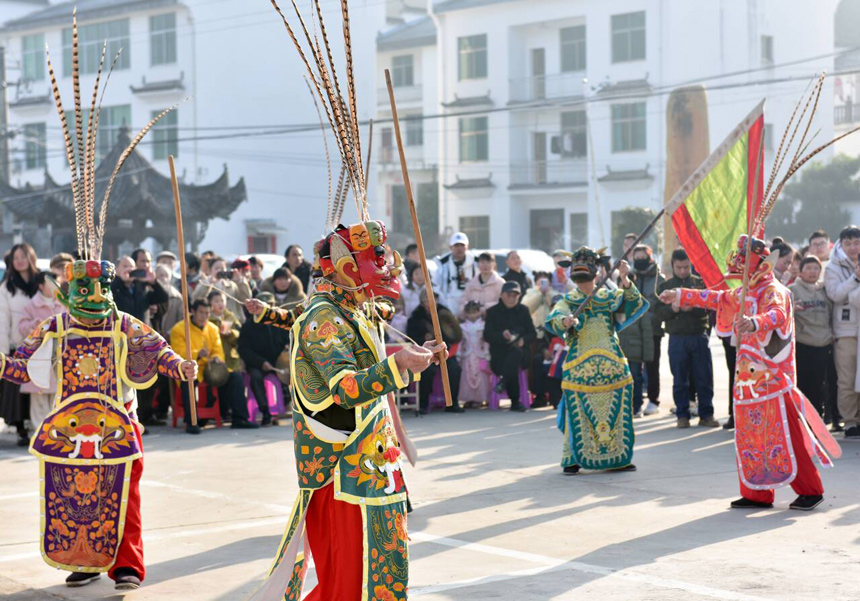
x=245, y=104
x=555, y=111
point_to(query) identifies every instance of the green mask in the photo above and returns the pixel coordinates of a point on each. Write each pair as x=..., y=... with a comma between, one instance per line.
x=89, y=295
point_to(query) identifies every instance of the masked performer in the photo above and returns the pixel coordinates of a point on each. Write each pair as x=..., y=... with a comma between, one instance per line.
x=89, y=446
x=350, y=514
x=777, y=430
x=596, y=411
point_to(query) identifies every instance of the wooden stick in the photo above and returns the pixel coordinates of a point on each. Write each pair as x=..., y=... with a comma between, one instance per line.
x=419, y=240
x=180, y=239
x=369, y=145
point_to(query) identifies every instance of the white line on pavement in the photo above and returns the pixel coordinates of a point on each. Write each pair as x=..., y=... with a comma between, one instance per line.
x=551, y=564
x=20, y=495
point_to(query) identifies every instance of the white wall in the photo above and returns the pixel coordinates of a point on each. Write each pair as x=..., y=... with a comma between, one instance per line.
x=685, y=40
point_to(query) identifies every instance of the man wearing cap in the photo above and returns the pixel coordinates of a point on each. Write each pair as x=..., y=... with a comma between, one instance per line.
x=455, y=269
x=509, y=331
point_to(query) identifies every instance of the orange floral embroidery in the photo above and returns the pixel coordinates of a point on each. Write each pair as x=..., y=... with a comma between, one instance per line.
x=350, y=387
x=85, y=482
x=382, y=593
x=377, y=387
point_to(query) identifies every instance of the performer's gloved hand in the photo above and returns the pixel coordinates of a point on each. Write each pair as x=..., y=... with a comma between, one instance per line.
x=418, y=358
x=570, y=322
x=189, y=370
x=255, y=307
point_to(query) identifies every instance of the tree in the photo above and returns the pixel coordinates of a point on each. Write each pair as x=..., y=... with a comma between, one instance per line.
x=632, y=220
x=816, y=200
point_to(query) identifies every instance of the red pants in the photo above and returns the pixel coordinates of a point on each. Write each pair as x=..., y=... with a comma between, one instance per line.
x=336, y=536
x=808, y=480
x=130, y=552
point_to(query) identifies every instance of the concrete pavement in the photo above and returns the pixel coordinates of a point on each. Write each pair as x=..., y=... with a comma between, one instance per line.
x=494, y=517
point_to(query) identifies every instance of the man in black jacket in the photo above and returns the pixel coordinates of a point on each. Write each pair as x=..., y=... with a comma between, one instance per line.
x=259, y=348
x=689, y=352
x=420, y=329
x=510, y=331
x=136, y=295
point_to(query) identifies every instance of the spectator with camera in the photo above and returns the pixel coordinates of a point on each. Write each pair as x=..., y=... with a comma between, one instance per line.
x=234, y=283
x=135, y=289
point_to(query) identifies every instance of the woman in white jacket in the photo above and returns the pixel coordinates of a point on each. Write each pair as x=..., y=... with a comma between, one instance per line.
x=16, y=290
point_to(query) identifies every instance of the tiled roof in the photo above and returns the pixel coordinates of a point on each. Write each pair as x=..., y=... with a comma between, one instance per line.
x=625, y=176
x=417, y=33
x=61, y=14
x=472, y=184
x=459, y=103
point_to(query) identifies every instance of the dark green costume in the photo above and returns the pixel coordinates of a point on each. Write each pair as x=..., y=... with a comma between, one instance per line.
x=596, y=412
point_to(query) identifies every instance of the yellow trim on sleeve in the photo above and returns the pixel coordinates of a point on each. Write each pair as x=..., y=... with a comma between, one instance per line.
x=398, y=377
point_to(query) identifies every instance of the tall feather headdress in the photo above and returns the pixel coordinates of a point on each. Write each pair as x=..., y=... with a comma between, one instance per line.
x=340, y=111
x=81, y=151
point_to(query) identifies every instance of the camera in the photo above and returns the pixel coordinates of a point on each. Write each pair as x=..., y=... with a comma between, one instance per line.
x=227, y=274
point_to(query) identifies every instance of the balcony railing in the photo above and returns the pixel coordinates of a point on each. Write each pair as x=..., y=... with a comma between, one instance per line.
x=540, y=87
x=403, y=94
x=551, y=173
x=847, y=113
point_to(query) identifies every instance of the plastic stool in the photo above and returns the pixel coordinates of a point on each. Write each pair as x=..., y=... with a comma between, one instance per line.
x=274, y=395
x=495, y=397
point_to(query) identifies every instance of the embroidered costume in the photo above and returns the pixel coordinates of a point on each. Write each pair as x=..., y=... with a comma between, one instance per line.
x=777, y=430
x=89, y=446
x=596, y=410
x=350, y=514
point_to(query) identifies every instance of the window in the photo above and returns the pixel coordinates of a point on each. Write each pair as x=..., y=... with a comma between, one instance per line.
x=414, y=131
x=162, y=39
x=547, y=229
x=33, y=55
x=477, y=228
x=91, y=38
x=402, y=73
x=34, y=145
x=574, y=137
x=165, y=135
x=474, y=139
x=628, y=127
x=573, y=48
x=111, y=120
x=628, y=37
x=578, y=230
x=767, y=50
x=473, y=56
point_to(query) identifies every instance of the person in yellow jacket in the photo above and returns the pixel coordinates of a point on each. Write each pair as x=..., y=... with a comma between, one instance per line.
x=205, y=347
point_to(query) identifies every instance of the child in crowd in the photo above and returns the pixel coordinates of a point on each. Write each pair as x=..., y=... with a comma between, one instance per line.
x=474, y=357
x=43, y=305
x=812, y=316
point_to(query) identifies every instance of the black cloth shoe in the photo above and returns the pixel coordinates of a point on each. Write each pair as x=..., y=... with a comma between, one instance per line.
x=153, y=421
x=454, y=409
x=77, y=579
x=539, y=403
x=744, y=503
x=423, y=411
x=126, y=580
x=852, y=432
x=571, y=470
x=500, y=386
x=266, y=421
x=837, y=427
x=806, y=502
x=189, y=429
x=244, y=425
x=729, y=425
x=518, y=407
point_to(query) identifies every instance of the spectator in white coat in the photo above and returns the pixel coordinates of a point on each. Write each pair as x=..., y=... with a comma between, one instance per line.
x=455, y=269
x=16, y=290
